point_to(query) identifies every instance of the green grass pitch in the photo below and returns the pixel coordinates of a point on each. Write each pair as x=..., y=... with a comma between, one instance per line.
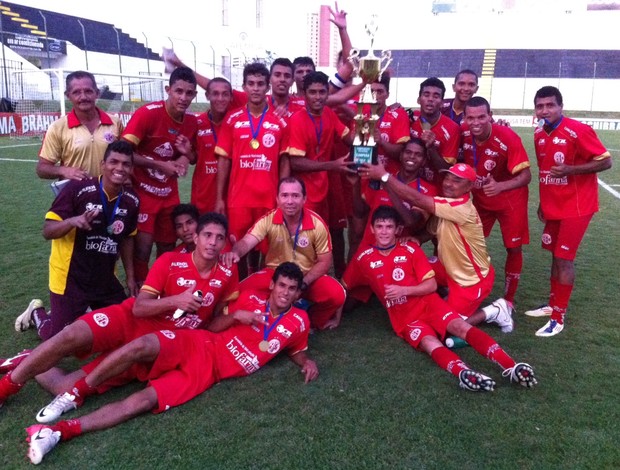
x=377, y=403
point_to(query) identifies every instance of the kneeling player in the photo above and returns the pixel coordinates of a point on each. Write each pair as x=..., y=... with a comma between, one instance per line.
x=180, y=365
x=403, y=280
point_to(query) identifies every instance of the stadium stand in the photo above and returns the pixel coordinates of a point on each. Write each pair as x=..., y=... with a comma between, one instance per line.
x=100, y=37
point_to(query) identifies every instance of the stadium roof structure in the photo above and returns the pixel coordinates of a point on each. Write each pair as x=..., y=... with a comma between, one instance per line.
x=29, y=28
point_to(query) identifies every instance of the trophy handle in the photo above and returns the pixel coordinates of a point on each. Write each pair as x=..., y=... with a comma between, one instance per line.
x=387, y=57
x=354, y=59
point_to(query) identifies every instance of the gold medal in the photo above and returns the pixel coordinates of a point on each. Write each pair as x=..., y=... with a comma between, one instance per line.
x=263, y=346
x=254, y=144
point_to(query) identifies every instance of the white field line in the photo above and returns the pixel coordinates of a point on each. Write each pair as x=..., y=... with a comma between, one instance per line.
x=611, y=190
x=17, y=160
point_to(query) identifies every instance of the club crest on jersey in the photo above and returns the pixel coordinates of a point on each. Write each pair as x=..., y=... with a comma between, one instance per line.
x=117, y=227
x=182, y=282
x=101, y=319
x=208, y=300
x=142, y=218
x=303, y=242
x=398, y=274
x=274, y=346
x=385, y=137
x=489, y=165
x=558, y=158
x=546, y=239
x=415, y=334
x=168, y=334
x=376, y=264
x=269, y=140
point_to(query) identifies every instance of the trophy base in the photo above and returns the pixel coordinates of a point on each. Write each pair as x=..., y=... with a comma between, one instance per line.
x=366, y=154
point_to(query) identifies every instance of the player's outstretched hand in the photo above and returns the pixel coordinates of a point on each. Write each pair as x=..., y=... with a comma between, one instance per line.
x=73, y=173
x=372, y=172
x=310, y=370
x=84, y=221
x=229, y=258
x=338, y=17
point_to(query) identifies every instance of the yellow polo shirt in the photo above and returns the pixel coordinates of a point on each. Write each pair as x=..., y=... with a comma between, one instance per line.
x=69, y=142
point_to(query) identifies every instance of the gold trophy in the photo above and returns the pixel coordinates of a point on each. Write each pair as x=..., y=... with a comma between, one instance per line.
x=369, y=68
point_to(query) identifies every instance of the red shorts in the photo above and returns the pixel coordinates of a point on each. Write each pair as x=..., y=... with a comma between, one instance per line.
x=464, y=300
x=115, y=326
x=326, y=295
x=433, y=316
x=155, y=217
x=513, y=223
x=184, y=368
x=241, y=219
x=563, y=237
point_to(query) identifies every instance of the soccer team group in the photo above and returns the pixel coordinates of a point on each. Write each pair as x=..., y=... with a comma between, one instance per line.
x=273, y=190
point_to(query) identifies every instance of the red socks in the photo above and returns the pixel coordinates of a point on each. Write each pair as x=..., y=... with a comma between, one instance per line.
x=558, y=299
x=448, y=360
x=488, y=347
x=8, y=387
x=512, y=270
x=68, y=429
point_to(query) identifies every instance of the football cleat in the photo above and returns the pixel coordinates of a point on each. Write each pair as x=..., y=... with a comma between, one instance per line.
x=10, y=363
x=24, y=320
x=41, y=439
x=61, y=404
x=500, y=312
x=552, y=328
x=521, y=374
x=475, y=381
x=540, y=311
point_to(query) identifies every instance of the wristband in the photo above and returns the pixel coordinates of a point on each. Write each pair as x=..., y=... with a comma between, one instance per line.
x=337, y=81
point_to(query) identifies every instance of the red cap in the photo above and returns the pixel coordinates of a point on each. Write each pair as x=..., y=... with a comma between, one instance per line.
x=462, y=170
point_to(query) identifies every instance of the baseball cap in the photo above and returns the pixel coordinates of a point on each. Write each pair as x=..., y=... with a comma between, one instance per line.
x=462, y=170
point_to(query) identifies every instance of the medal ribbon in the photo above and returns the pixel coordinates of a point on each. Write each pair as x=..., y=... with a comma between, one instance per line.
x=262, y=117
x=318, y=132
x=266, y=330
x=383, y=249
x=296, y=231
x=104, y=204
x=210, y=116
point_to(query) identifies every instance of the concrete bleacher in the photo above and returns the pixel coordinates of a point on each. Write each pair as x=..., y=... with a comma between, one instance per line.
x=509, y=63
x=96, y=36
x=435, y=62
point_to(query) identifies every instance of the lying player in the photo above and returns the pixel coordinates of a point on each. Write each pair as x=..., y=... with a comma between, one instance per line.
x=180, y=365
x=403, y=280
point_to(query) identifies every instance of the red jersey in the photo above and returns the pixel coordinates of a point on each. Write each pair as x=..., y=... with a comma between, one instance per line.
x=313, y=137
x=405, y=265
x=294, y=104
x=394, y=128
x=173, y=273
x=570, y=143
x=254, y=172
x=375, y=198
x=204, y=180
x=447, y=141
x=501, y=156
x=238, y=352
x=153, y=132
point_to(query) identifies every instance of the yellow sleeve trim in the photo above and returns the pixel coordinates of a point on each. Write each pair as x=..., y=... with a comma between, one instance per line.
x=52, y=216
x=295, y=152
